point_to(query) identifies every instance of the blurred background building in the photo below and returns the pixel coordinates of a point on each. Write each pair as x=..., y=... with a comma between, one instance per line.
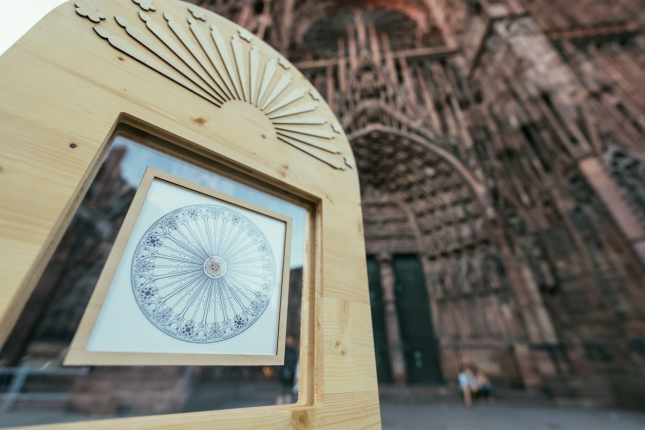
x=501, y=151
x=500, y=147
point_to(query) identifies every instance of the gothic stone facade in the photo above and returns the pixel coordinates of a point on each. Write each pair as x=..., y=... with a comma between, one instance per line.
x=501, y=152
x=500, y=146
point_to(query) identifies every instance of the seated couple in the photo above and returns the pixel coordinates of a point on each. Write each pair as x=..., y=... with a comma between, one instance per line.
x=473, y=383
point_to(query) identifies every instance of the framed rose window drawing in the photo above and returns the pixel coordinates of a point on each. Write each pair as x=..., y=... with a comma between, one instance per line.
x=195, y=277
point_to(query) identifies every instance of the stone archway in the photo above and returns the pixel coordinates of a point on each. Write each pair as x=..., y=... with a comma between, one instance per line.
x=420, y=202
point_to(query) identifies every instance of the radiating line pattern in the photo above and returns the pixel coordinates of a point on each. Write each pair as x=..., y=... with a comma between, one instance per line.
x=203, y=273
x=221, y=70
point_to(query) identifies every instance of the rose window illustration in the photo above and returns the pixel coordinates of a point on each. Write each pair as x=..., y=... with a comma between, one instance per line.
x=203, y=273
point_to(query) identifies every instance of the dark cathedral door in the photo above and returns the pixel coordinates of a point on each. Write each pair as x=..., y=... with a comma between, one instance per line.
x=378, y=321
x=420, y=346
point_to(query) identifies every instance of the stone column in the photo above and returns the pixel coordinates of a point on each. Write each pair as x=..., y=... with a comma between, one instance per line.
x=395, y=347
x=428, y=269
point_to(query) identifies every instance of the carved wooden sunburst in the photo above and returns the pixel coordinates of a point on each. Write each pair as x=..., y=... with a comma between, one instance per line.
x=196, y=56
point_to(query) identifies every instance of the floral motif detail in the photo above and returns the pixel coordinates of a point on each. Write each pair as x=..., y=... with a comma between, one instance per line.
x=154, y=241
x=215, y=267
x=148, y=293
x=215, y=213
x=252, y=231
x=171, y=224
x=146, y=266
x=192, y=214
x=197, y=12
x=215, y=330
x=257, y=305
x=245, y=34
x=90, y=11
x=239, y=322
x=165, y=314
x=188, y=329
x=207, y=277
x=145, y=5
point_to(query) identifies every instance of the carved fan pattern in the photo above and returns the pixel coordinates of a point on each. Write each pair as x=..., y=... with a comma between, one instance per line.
x=220, y=71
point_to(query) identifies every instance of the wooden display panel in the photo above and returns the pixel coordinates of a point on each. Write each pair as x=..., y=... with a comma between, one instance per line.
x=64, y=89
x=79, y=355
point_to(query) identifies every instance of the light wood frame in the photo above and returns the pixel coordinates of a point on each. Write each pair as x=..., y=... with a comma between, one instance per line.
x=79, y=356
x=61, y=84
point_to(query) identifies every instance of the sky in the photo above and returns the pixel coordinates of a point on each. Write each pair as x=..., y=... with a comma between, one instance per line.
x=18, y=16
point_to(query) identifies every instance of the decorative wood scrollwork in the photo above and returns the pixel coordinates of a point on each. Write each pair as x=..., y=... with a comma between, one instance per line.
x=133, y=52
x=197, y=12
x=245, y=34
x=89, y=11
x=145, y=5
x=208, y=69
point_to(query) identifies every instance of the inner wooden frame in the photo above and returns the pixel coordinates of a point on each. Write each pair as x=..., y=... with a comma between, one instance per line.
x=78, y=354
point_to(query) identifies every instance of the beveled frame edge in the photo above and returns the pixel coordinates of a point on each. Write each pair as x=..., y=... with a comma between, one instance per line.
x=77, y=354
x=27, y=286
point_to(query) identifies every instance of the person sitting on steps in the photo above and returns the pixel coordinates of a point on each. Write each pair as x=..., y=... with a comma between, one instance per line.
x=484, y=386
x=467, y=384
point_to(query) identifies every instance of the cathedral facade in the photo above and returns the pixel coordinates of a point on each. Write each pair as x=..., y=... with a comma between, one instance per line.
x=501, y=151
x=500, y=146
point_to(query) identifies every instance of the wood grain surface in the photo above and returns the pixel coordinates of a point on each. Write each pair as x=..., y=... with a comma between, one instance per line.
x=63, y=84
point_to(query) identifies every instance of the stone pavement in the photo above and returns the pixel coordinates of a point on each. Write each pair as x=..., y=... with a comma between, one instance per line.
x=503, y=416
x=409, y=408
x=446, y=416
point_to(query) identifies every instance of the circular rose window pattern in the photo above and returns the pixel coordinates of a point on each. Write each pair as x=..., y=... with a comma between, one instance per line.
x=203, y=273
